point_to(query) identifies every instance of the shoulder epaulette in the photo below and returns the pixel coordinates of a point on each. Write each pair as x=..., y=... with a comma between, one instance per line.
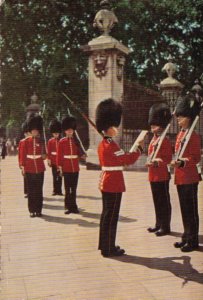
x=26, y=138
x=108, y=139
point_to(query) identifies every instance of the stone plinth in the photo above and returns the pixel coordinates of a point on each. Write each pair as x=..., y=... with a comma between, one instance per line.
x=171, y=89
x=105, y=67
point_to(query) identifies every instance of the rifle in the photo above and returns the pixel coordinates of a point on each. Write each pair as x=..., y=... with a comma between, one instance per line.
x=140, y=137
x=157, y=147
x=187, y=136
x=81, y=113
x=78, y=138
x=44, y=132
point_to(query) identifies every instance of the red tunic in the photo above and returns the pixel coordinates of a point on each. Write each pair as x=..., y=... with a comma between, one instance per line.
x=52, y=147
x=160, y=172
x=111, y=156
x=19, y=149
x=31, y=155
x=67, y=155
x=188, y=174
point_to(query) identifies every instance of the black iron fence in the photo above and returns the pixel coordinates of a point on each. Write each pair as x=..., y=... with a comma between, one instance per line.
x=129, y=136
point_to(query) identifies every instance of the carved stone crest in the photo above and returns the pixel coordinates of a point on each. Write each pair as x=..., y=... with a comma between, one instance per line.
x=100, y=59
x=120, y=62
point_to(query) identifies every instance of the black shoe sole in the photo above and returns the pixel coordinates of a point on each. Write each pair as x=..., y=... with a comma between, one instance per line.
x=151, y=230
x=71, y=212
x=118, y=252
x=38, y=215
x=188, y=248
x=162, y=233
x=179, y=244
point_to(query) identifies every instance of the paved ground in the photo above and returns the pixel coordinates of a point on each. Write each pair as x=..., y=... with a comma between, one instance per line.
x=56, y=257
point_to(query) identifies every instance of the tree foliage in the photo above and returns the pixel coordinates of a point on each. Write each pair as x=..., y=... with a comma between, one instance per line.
x=155, y=29
x=41, y=40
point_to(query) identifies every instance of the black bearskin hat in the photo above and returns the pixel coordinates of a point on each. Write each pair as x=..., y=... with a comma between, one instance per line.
x=159, y=114
x=188, y=107
x=69, y=122
x=35, y=122
x=24, y=126
x=108, y=114
x=55, y=126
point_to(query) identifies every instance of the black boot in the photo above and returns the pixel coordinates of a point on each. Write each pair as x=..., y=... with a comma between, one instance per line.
x=188, y=247
x=153, y=229
x=179, y=244
x=162, y=232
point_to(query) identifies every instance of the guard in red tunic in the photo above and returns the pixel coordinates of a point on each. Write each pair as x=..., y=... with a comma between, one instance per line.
x=68, y=154
x=159, y=176
x=26, y=135
x=52, y=148
x=186, y=173
x=32, y=164
x=112, y=159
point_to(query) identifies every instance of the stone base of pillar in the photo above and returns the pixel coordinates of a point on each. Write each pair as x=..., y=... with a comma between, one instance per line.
x=92, y=161
x=91, y=166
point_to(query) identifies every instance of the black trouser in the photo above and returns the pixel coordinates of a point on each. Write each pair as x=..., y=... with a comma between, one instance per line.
x=162, y=204
x=57, y=181
x=25, y=185
x=35, y=191
x=187, y=194
x=109, y=220
x=70, y=183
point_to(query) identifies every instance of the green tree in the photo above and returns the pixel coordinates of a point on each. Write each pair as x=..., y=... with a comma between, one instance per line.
x=41, y=40
x=154, y=29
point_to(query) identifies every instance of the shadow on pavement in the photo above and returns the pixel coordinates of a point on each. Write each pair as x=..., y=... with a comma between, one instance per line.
x=89, y=197
x=70, y=221
x=59, y=198
x=54, y=198
x=126, y=219
x=182, y=270
x=55, y=207
x=86, y=214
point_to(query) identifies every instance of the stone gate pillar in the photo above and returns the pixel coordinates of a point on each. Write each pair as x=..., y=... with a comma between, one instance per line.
x=171, y=89
x=105, y=71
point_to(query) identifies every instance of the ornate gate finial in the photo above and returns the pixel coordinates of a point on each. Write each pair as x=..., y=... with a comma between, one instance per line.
x=105, y=19
x=197, y=90
x=169, y=67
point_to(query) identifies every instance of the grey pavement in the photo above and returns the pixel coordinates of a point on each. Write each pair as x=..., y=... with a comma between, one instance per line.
x=55, y=257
